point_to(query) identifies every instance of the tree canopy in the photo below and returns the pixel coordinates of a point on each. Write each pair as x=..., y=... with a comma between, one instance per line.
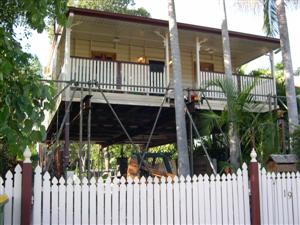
x=23, y=97
x=117, y=6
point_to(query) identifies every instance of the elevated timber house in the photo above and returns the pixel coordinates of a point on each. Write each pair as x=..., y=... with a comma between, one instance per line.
x=124, y=62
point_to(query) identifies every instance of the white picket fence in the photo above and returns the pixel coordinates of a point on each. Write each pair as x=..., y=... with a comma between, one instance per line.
x=196, y=200
x=279, y=198
x=12, y=187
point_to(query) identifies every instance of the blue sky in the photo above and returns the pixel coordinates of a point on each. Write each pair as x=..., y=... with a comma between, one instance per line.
x=205, y=13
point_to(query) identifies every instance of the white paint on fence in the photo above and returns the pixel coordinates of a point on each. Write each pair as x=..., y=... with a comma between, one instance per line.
x=77, y=201
x=17, y=195
x=12, y=187
x=1, y=186
x=279, y=194
x=46, y=199
x=93, y=202
x=37, y=206
x=54, y=203
x=9, y=191
x=122, y=206
x=62, y=201
x=200, y=200
x=150, y=199
x=69, y=201
x=85, y=201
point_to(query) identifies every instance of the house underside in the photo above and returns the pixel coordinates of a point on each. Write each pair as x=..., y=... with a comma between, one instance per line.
x=106, y=130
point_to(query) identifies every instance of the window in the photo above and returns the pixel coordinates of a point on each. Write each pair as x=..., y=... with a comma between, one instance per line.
x=156, y=66
x=207, y=67
x=104, y=55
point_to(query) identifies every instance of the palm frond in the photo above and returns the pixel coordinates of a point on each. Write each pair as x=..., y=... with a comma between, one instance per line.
x=270, y=26
x=209, y=120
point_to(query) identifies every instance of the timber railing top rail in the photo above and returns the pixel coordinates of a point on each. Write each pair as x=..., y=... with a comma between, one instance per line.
x=239, y=75
x=106, y=60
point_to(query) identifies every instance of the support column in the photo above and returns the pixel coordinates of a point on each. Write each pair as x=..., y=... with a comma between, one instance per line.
x=67, y=77
x=254, y=186
x=89, y=103
x=26, y=188
x=272, y=68
x=67, y=60
x=67, y=140
x=198, y=48
x=167, y=57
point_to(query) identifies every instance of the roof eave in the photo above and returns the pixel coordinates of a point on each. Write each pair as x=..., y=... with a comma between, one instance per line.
x=164, y=23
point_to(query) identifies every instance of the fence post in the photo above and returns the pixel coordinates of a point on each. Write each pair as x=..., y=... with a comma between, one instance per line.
x=26, y=188
x=254, y=185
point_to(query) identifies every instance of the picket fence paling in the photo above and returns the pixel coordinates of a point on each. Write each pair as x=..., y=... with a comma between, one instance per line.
x=279, y=194
x=11, y=186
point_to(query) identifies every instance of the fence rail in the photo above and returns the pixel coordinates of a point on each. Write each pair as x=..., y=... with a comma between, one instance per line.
x=118, y=76
x=191, y=200
x=264, y=86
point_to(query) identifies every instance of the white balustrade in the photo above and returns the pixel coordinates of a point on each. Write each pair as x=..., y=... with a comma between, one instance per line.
x=118, y=76
x=263, y=85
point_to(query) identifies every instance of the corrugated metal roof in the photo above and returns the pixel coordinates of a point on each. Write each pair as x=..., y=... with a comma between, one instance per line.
x=287, y=158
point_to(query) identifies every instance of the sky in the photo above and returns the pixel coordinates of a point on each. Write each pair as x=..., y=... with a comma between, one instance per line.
x=204, y=13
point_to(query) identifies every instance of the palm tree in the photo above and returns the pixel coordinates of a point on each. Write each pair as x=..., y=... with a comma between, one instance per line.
x=234, y=140
x=255, y=129
x=275, y=22
x=183, y=158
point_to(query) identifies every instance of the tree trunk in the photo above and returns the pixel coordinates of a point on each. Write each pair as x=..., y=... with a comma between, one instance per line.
x=234, y=143
x=183, y=158
x=288, y=66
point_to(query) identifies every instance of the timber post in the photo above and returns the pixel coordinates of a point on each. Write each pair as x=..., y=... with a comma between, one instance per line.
x=26, y=188
x=254, y=185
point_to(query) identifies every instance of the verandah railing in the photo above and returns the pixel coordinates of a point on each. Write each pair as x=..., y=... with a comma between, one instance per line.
x=138, y=78
x=118, y=76
x=264, y=86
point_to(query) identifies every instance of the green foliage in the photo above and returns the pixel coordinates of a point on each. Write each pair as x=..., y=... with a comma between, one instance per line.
x=296, y=141
x=117, y=151
x=297, y=72
x=168, y=148
x=117, y=6
x=241, y=70
x=280, y=86
x=95, y=157
x=270, y=25
x=256, y=130
x=260, y=72
x=23, y=97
